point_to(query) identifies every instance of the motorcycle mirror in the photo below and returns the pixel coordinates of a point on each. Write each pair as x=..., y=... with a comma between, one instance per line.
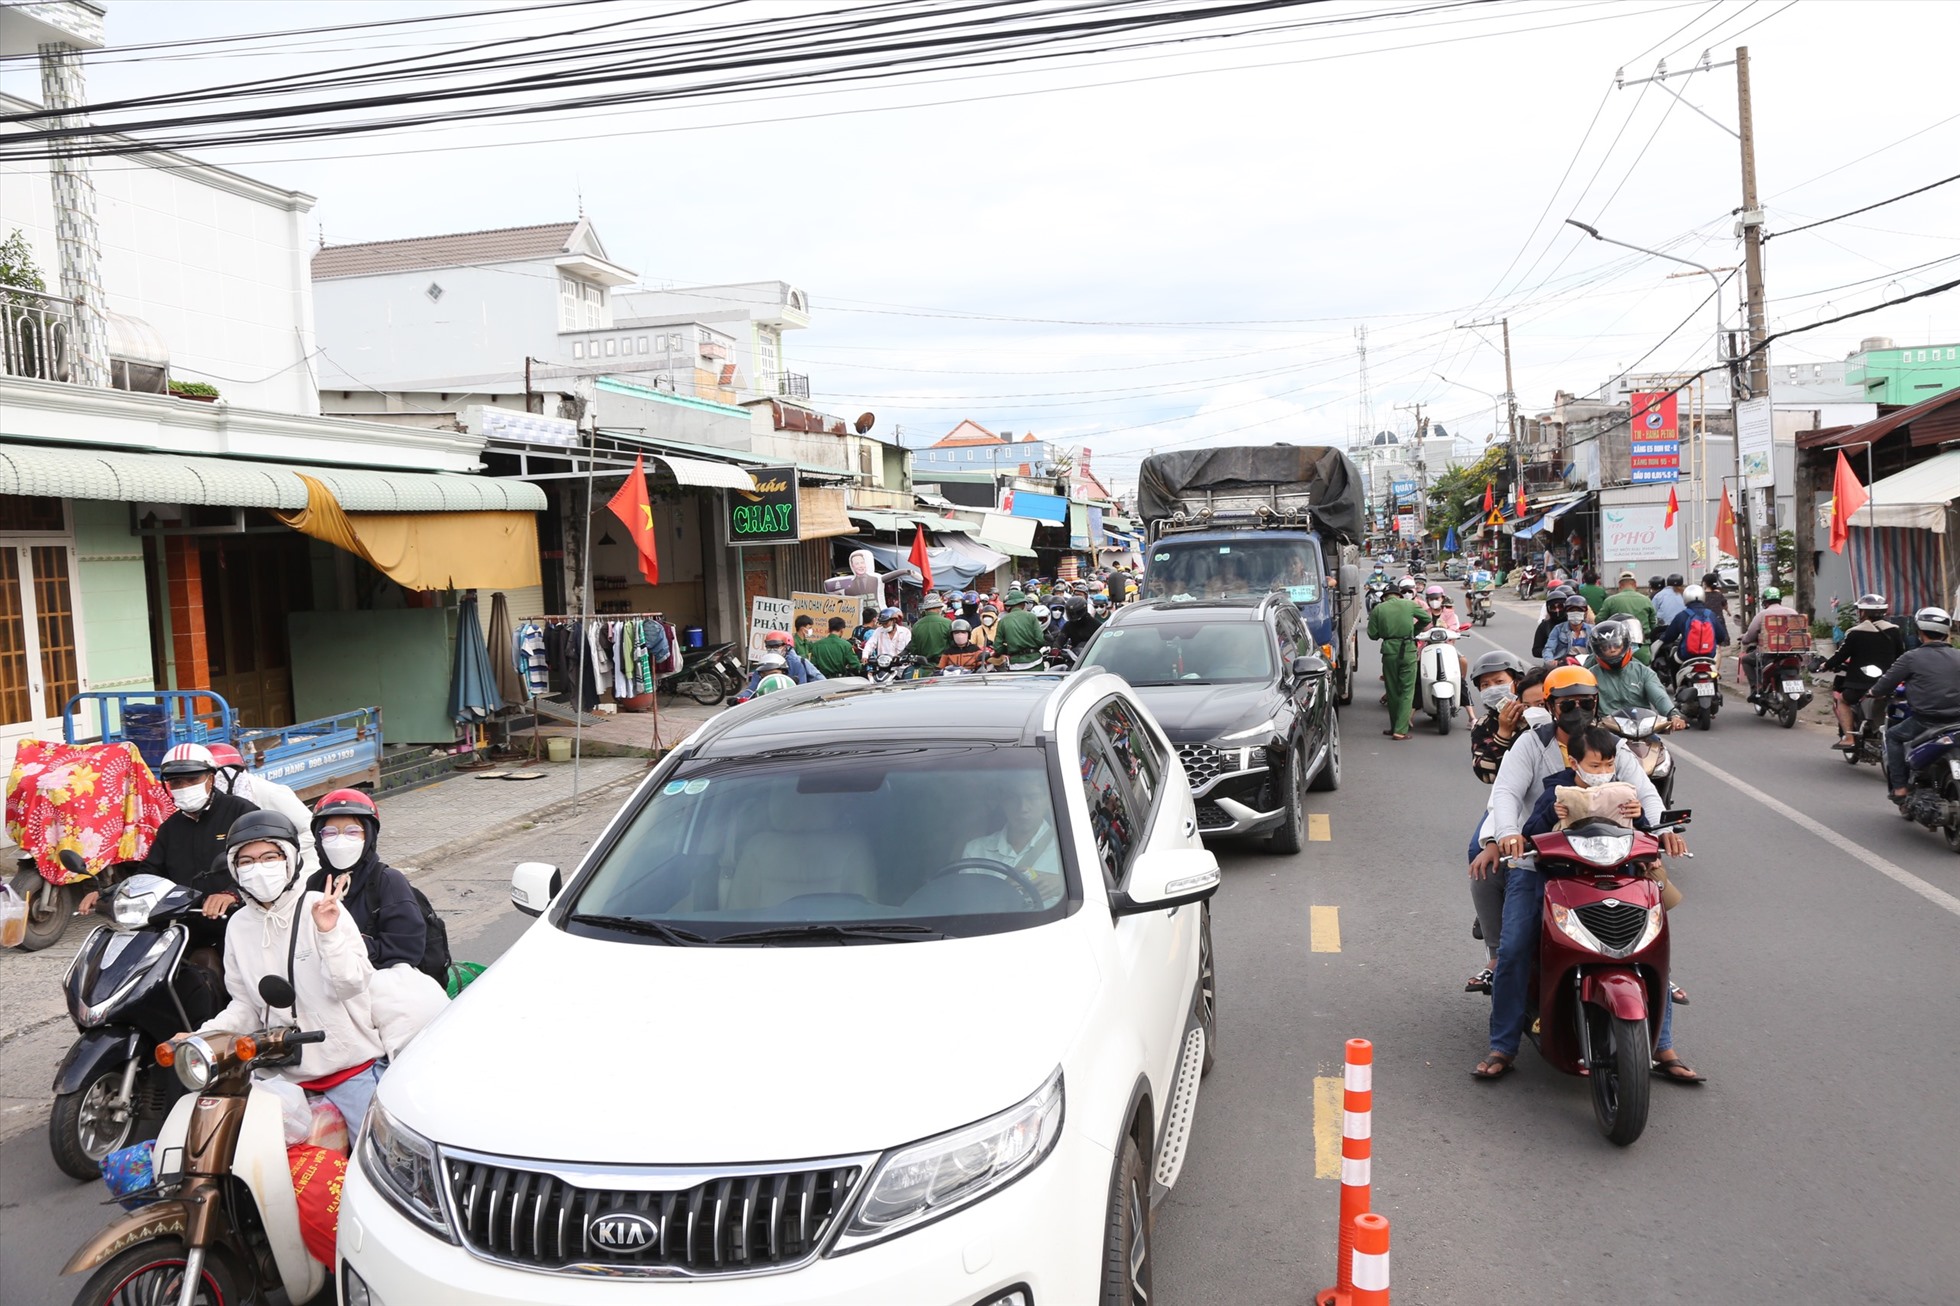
x=1681, y=817
x=277, y=992
x=72, y=862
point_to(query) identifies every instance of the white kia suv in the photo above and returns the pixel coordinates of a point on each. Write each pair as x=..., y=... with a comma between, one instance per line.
x=871, y=996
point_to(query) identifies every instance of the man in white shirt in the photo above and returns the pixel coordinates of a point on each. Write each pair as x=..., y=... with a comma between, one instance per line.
x=1026, y=840
x=890, y=640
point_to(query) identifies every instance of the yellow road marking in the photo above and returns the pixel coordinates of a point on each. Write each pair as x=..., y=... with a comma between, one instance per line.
x=1329, y=1100
x=1320, y=828
x=1324, y=928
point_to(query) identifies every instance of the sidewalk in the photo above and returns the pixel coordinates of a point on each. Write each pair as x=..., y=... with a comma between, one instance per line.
x=630, y=734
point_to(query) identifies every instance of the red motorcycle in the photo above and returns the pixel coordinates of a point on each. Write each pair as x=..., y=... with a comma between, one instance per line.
x=1601, y=981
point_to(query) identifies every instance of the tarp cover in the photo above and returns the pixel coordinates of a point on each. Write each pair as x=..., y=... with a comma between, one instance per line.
x=427, y=550
x=1333, y=485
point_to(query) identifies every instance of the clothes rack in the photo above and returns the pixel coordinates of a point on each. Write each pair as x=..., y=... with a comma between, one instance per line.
x=578, y=714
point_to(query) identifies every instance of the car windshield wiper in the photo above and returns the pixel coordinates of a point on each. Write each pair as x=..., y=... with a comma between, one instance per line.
x=881, y=933
x=640, y=925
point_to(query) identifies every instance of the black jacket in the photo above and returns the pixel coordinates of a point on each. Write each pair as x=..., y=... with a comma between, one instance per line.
x=1866, y=645
x=1931, y=675
x=1543, y=633
x=383, y=907
x=191, y=849
x=1077, y=631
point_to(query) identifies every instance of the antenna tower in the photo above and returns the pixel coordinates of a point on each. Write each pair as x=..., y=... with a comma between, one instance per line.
x=1367, y=414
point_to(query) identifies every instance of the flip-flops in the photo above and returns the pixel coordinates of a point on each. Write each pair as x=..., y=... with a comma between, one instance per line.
x=1677, y=1072
x=1494, y=1066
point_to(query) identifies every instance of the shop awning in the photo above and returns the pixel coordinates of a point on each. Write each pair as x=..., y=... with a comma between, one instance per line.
x=426, y=550
x=702, y=472
x=821, y=513
x=886, y=522
x=1551, y=515
x=72, y=473
x=1013, y=536
x=1916, y=498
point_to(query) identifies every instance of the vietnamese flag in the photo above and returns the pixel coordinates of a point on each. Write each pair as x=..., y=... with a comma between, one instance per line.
x=631, y=506
x=1673, y=507
x=1725, y=526
x=1490, y=496
x=1523, y=507
x=1847, y=496
x=918, y=558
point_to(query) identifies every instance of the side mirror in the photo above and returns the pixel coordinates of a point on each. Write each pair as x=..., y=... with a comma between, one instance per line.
x=71, y=862
x=277, y=992
x=533, y=885
x=1309, y=665
x=1350, y=579
x=1167, y=877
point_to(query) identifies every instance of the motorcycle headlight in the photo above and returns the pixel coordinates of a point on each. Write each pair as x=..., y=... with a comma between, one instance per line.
x=916, y=1185
x=404, y=1168
x=194, y=1063
x=1601, y=849
x=1655, y=916
x=131, y=910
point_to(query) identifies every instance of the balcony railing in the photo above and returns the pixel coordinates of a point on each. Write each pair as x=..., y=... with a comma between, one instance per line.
x=790, y=385
x=35, y=334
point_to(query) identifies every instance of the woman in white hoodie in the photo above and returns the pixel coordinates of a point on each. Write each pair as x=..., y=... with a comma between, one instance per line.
x=309, y=940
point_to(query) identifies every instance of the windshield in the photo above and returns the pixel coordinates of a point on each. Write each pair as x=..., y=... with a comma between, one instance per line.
x=1211, y=568
x=1174, y=652
x=905, y=841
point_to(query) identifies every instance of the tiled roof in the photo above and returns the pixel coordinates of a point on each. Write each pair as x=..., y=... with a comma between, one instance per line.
x=503, y=245
x=968, y=432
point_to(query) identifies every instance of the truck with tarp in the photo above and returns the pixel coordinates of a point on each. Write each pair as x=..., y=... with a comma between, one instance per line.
x=1251, y=519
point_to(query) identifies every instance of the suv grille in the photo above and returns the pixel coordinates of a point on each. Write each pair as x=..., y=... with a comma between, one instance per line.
x=1203, y=763
x=1211, y=816
x=1618, y=927
x=748, y=1222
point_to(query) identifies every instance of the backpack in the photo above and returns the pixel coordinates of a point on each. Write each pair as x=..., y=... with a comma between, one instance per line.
x=435, y=950
x=1700, y=639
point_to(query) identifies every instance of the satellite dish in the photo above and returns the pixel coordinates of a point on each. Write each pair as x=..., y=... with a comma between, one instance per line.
x=865, y=422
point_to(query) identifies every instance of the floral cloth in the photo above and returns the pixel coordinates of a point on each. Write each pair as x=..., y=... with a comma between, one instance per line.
x=98, y=799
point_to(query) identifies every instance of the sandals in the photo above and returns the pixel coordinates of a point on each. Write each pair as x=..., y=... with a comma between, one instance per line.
x=1679, y=994
x=1392, y=735
x=1495, y=1065
x=1677, y=1071
x=1480, y=982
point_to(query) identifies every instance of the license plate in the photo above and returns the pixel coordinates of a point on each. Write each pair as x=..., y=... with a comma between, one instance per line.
x=1794, y=688
x=1706, y=691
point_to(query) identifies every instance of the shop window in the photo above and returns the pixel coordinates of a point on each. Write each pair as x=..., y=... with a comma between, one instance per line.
x=20, y=512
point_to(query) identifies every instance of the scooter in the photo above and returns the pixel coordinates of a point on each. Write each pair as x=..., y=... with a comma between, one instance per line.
x=1869, y=717
x=195, y=1240
x=1780, y=687
x=1531, y=580
x=1933, y=787
x=1439, y=676
x=129, y=988
x=1600, y=985
x=1377, y=591
x=1480, y=606
x=1642, y=728
x=1697, y=691
x=706, y=675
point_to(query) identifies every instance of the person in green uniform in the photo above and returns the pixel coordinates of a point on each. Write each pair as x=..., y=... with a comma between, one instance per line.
x=1593, y=592
x=1629, y=603
x=1019, y=636
x=1396, y=621
x=833, y=654
x=806, y=635
x=932, y=634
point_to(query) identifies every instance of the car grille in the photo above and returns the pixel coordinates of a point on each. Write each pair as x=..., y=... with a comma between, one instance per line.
x=1212, y=817
x=1619, y=926
x=1203, y=763
x=747, y=1222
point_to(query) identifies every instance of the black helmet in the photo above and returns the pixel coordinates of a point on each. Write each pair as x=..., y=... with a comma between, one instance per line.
x=1576, y=603
x=1611, y=644
x=1495, y=661
x=1078, y=606
x=962, y=626
x=1676, y=578
x=1656, y=582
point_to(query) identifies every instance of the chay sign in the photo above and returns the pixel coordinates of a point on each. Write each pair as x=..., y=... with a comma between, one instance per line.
x=768, y=513
x=1637, y=533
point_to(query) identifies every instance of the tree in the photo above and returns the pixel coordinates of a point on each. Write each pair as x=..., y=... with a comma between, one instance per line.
x=1457, y=495
x=17, y=266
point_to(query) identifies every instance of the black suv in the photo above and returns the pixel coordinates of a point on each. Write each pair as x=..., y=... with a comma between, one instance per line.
x=1246, y=699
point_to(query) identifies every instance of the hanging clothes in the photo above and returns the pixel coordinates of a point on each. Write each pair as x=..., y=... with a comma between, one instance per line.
x=531, y=659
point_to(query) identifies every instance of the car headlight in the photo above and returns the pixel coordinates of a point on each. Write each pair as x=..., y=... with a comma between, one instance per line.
x=194, y=1062
x=404, y=1167
x=1265, y=727
x=916, y=1185
x=1601, y=849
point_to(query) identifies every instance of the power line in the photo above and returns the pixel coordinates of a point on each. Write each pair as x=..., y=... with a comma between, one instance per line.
x=1867, y=208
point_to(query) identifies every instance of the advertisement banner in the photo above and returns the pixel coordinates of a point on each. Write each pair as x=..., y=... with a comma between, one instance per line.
x=1402, y=489
x=1638, y=533
x=1755, y=438
x=766, y=614
x=768, y=513
x=1656, y=439
x=822, y=607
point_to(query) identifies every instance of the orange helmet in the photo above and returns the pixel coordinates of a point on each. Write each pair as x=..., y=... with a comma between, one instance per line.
x=1571, y=682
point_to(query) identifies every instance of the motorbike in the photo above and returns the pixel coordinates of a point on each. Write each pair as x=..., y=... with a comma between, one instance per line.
x=1933, y=785
x=1531, y=581
x=886, y=668
x=1869, y=716
x=1480, y=606
x=1781, y=690
x=225, y=1226
x=1642, y=728
x=1439, y=676
x=1697, y=693
x=130, y=986
x=1600, y=983
x=50, y=906
x=1377, y=591
x=706, y=675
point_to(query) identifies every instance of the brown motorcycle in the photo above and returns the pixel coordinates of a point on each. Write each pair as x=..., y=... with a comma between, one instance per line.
x=220, y=1224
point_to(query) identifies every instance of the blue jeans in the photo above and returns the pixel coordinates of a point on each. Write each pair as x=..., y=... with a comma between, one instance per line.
x=1517, y=953
x=351, y=1097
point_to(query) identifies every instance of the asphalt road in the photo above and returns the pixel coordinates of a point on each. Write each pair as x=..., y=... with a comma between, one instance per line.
x=1820, y=1164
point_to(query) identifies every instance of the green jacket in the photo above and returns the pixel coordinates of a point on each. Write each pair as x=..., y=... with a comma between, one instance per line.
x=1630, y=603
x=1595, y=595
x=1016, y=633
x=1634, y=685
x=932, y=635
x=804, y=647
x=834, y=656
x=1397, y=618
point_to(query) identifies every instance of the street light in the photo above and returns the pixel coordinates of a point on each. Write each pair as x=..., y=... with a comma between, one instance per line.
x=1497, y=401
x=1672, y=258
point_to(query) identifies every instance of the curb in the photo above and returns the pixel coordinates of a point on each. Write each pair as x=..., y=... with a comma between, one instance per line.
x=428, y=859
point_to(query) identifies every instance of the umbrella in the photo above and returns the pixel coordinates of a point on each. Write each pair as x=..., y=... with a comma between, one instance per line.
x=1449, y=545
x=473, y=689
x=503, y=652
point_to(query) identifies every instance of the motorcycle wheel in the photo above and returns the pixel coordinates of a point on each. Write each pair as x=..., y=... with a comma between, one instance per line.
x=1787, y=716
x=1443, y=719
x=1622, y=1056
x=1704, y=719
x=1951, y=830
x=49, y=909
x=154, y=1271
x=80, y=1129
x=704, y=687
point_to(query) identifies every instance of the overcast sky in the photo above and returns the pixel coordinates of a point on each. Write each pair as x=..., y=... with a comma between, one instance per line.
x=1182, y=255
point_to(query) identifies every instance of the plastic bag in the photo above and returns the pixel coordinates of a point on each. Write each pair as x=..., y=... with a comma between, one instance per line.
x=317, y=1178
x=461, y=973
x=327, y=1127
x=405, y=1001
x=13, y=917
x=308, y=1119
x=131, y=1175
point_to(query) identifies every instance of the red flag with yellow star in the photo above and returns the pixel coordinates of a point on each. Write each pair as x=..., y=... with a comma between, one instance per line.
x=1673, y=506
x=633, y=509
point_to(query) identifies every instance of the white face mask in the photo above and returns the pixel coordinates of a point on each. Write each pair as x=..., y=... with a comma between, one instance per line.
x=342, y=850
x=265, y=881
x=192, y=799
x=1591, y=778
x=1538, y=716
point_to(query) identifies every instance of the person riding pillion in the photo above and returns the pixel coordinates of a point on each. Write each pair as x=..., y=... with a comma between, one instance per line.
x=347, y=829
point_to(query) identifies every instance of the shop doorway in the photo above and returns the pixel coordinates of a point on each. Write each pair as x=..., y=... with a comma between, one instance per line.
x=758, y=581
x=251, y=584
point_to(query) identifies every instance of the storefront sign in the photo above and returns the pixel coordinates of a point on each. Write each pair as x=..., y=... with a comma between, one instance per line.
x=1402, y=489
x=768, y=513
x=1656, y=456
x=765, y=615
x=820, y=608
x=1638, y=533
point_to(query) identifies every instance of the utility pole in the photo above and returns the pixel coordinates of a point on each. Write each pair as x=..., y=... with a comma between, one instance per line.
x=1752, y=245
x=1510, y=398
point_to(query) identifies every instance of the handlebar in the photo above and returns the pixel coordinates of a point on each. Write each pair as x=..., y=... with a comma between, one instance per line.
x=306, y=1036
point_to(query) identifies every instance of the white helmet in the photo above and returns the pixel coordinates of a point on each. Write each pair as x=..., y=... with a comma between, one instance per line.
x=1041, y=612
x=1692, y=593
x=1936, y=621
x=187, y=760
